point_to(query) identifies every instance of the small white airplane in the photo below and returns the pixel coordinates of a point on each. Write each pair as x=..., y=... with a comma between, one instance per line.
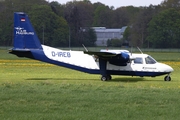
x=105, y=62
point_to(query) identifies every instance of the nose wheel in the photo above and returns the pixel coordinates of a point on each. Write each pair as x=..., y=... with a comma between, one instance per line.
x=167, y=78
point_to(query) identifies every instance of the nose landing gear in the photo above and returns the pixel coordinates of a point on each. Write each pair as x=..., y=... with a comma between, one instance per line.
x=167, y=78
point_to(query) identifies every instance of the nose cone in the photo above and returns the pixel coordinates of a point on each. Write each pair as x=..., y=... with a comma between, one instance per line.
x=166, y=68
x=169, y=68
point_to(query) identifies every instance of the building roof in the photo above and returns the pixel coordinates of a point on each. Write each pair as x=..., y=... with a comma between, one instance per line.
x=103, y=29
x=123, y=29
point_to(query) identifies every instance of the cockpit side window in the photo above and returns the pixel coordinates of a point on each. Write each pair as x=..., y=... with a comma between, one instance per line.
x=150, y=60
x=138, y=60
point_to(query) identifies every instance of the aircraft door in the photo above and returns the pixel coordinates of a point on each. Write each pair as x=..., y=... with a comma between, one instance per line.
x=138, y=64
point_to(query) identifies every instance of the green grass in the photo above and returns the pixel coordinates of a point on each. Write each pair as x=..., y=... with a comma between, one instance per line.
x=31, y=90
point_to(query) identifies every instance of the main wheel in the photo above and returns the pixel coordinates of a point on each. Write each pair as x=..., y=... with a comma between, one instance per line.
x=103, y=78
x=109, y=77
x=167, y=78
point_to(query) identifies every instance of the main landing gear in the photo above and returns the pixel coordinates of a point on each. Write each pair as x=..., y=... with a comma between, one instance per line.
x=167, y=78
x=106, y=78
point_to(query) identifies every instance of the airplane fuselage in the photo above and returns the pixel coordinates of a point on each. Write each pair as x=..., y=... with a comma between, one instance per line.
x=77, y=60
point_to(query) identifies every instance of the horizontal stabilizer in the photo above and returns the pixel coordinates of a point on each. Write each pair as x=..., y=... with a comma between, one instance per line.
x=21, y=53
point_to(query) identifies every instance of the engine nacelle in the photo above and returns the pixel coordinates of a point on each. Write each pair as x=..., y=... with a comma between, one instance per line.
x=120, y=60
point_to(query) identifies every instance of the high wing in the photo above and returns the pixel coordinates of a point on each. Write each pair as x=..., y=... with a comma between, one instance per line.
x=115, y=57
x=103, y=55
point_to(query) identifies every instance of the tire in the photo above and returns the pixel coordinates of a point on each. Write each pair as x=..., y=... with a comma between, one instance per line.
x=103, y=78
x=109, y=77
x=167, y=78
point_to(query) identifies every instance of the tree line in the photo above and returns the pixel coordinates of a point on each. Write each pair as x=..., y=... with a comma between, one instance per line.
x=59, y=25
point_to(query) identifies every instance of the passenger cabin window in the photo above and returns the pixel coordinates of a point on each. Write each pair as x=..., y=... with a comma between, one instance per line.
x=138, y=60
x=150, y=60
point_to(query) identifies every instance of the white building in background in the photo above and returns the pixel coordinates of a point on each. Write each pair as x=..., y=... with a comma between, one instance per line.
x=103, y=34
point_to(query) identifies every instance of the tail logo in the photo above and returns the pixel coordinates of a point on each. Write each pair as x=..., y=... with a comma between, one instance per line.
x=22, y=31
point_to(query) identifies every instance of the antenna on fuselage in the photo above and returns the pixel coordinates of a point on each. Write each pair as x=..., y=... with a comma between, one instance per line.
x=85, y=48
x=139, y=50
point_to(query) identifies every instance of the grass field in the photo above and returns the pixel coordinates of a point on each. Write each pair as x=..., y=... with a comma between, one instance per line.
x=31, y=90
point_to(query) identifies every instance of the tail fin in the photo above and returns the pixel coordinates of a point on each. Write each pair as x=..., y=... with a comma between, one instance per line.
x=24, y=34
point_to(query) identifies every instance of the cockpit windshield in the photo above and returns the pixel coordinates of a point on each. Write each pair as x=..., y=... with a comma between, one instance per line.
x=150, y=60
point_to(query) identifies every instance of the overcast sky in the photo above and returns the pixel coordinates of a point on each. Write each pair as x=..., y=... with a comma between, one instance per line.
x=119, y=3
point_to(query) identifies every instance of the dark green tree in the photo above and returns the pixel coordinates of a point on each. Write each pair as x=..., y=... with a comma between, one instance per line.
x=51, y=18
x=170, y=4
x=164, y=29
x=139, y=28
x=6, y=23
x=88, y=37
x=79, y=15
x=126, y=35
x=51, y=28
x=57, y=8
x=7, y=8
x=102, y=16
x=114, y=43
x=120, y=18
